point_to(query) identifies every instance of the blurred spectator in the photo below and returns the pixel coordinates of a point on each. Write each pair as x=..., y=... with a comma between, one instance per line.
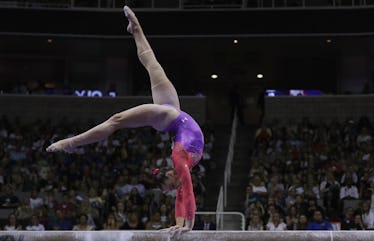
x=83, y=225
x=164, y=213
x=205, y=223
x=358, y=224
x=58, y=221
x=67, y=206
x=24, y=211
x=349, y=173
x=35, y=225
x=313, y=207
x=348, y=191
x=275, y=188
x=133, y=184
x=276, y=223
x=318, y=222
x=364, y=136
x=7, y=198
x=302, y=222
x=255, y=223
x=155, y=222
x=120, y=213
x=111, y=223
x=12, y=224
x=347, y=222
x=133, y=222
x=258, y=186
x=35, y=200
x=250, y=199
x=368, y=212
x=330, y=189
x=263, y=135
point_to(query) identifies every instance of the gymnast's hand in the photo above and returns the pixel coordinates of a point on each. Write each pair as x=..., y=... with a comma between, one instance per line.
x=177, y=229
x=62, y=145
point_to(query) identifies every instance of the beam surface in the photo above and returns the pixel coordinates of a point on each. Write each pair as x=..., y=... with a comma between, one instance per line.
x=190, y=236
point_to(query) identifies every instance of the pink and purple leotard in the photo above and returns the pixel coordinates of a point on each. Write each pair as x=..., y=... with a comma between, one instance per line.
x=187, y=152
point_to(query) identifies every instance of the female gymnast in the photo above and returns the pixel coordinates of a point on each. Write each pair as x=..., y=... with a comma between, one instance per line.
x=163, y=115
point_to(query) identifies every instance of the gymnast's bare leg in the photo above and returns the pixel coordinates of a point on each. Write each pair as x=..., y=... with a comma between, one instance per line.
x=157, y=116
x=163, y=91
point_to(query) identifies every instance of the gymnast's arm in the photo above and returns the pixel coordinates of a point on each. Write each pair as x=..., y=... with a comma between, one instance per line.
x=185, y=205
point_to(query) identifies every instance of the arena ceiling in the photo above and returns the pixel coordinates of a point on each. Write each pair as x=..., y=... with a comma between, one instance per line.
x=192, y=45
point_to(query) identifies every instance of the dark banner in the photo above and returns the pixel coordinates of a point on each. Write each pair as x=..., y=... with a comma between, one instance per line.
x=190, y=22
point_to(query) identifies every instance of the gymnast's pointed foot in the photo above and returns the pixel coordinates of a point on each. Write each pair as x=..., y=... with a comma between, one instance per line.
x=133, y=20
x=61, y=146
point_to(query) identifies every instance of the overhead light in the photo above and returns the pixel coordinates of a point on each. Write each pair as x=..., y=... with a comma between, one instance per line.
x=260, y=76
x=214, y=76
x=49, y=40
x=235, y=41
x=329, y=41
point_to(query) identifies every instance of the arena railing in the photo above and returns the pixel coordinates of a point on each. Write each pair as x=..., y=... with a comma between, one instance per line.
x=183, y=4
x=230, y=157
x=219, y=220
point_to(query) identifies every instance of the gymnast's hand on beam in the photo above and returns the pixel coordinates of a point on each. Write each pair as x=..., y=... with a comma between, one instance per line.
x=176, y=230
x=61, y=146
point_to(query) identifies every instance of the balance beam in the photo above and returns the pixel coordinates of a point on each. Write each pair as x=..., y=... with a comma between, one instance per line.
x=189, y=236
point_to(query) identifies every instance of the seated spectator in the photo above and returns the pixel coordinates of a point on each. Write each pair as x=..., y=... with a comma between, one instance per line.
x=318, y=222
x=275, y=187
x=291, y=197
x=35, y=200
x=205, y=223
x=155, y=222
x=330, y=192
x=302, y=222
x=263, y=134
x=255, y=223
x=276, y=223
x=111, y=223
x=91, y=212
x=358, y=224
x=348, y=191
x=94, y=199
x=347, y=223
x=312, y=189
x=300, y=204
x=364, y=136
x=145, y=213
x=59, y=221
x=312, y=207
x=8, y=199
x=24, y=211
x=12, y=224
x=368, y=212
x=258, y=186
x=133, y=222
x=133, y=184
x=292, y=218
x=291, y=223
x=35, y=225
x=83, y=225
x=135, y=197
x=164, y=212
x=67, y=206
x=250, y=197
x=349, y=173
